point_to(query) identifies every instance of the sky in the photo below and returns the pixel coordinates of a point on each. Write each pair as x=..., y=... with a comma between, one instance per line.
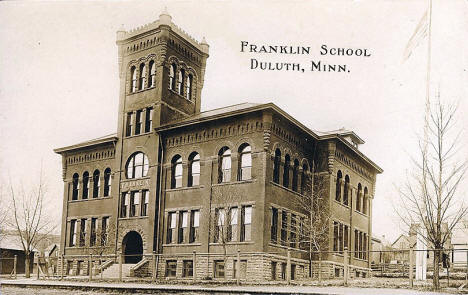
x=59, y=75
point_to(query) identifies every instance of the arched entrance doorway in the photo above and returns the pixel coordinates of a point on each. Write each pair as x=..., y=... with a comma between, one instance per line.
x=132, y=246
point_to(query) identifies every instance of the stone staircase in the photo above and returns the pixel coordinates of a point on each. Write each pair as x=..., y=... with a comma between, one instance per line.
x=113, y=271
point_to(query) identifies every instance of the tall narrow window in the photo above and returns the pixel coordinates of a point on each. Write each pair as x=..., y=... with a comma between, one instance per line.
x=220, y=221
x=194, y=225
x=152, y=71
x=335, y=236
x=194, y=169
x=304, y=178
x=284, y=227
x=365, y=201
x=176, y=179
x=276, y=166
x=295, y=175
x=346, y=190
x=83, y=232
x=172, y=82
x=133, y=81
x=171, y=226
x=149, y=119
x=246, y=230
x=356, y=243
x=138, y=122
x=232, y=232
x=85, y=185
x=245, y=159
x=364, y=247
x=104, y=230
x=96, y=183
x=287, y=161
x=340, y=238
x=181, y=82
x=274, y=225
x=142, y=81
x=75, y=186
x=124, y=205
x=339, y=180
x=188, y=91
x=358, y=198
x=72, y=241
x=224, y=166
x=134, y=202
x=137, y=165
x=107, y=182
x=183, y=226
x=346, y=237
x=128, y=128
x=92, y=241
x=144, y=202
x=293, y=234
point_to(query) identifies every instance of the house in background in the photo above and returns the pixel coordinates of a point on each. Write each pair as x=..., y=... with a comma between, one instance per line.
x=10, y=245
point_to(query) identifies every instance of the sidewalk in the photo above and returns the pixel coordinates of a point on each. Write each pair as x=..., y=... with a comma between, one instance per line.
x=155, y=288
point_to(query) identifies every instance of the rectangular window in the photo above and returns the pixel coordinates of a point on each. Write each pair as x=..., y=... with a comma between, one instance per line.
x=149, y=119
x=124, y=205
x=93, y=237
x=73, y=228
x=360, y=245
x=283, y=270
x=220, y=221
x=232, y=233
x=134, y=202
x=292, y=235
x=364, y=247
x=284, y=227
x=273, y=270
x=144, y=202
x=274, y=225
x=345, y=237
x=356, y=244
x=335, y=236
x=219, y=268
x=340, y=238
x=183, y=225
x=171, y=268
x=128, y=126
x=293, y=272
x=104, y=230
x=246, y=230
x=83, y=232
x=194, y=225
x=171, y=225
x=187, y=271
x=138, y=122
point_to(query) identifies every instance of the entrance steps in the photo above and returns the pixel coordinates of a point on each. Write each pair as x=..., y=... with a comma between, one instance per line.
x=113, y=270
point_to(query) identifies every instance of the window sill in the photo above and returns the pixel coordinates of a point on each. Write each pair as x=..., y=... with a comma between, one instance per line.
x=285, y=247
x=285, y=188
x=181, y=244
x=233, y=182
x=90, y=199
x=181, y=96
x=140, y=90
x=360, y=213
x=343, y=205
x=133, y=217
x=137, y=135
x=185, y=188
x=233, y=243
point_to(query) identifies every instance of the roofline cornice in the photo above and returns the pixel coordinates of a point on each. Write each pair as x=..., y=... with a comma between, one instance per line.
x=87, y=144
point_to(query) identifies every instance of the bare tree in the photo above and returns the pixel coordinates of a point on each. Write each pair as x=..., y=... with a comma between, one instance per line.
x=29, y=218
x=429, y=197
x=314, y=230
x=4, y=210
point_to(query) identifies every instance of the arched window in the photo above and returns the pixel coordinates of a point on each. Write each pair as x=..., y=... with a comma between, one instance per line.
x=245, y=162
x=194, y=169
x=107, y=182
x=176, y=169
x=358, y=197
x=224, y=165
x=172, y=72
x=133, y=82
x=295, y=175
x=188, y=91
x=85, y=185
x=152, y=71
x=339, y=179
x=287, y=160
x=142, y=81
x=365, y=201
x=276, y=166
x=346, y=190
x=304, y=178
x=75, y=186
x=181, y=82
x=137, y=165
x=96, y=183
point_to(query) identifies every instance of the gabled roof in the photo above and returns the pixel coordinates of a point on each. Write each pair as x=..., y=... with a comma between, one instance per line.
x=96, y=141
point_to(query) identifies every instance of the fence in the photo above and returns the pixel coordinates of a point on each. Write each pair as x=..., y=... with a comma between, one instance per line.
x=8, y=265
x=235, y=267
